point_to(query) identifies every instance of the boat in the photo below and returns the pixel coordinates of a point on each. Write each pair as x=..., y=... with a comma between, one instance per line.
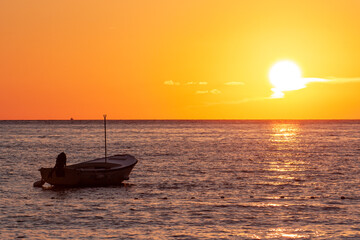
x=104, y=171
x=107, y=171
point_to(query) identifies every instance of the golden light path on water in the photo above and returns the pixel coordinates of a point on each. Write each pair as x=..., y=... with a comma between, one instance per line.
x=283, y=136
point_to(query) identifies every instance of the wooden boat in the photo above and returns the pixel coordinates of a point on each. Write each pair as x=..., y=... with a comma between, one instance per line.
x=98, y=172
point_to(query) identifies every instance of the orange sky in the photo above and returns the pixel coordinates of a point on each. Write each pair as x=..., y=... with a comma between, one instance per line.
x=185, y=59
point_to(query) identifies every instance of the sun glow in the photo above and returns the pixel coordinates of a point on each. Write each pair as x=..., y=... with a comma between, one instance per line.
x=285, y=76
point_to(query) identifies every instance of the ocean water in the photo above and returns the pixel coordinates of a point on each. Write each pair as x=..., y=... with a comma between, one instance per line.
x=194, y=180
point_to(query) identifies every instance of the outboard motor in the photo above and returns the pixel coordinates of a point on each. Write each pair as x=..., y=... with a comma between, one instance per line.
x=60, y=165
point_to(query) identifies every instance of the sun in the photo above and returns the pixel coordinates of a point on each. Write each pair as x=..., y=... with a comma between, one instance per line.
x=285, y=76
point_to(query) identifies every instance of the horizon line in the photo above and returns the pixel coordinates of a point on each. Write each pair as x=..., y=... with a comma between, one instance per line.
x=199, y=119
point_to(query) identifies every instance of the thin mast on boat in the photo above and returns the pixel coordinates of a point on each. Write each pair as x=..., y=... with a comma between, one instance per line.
x=105, y=137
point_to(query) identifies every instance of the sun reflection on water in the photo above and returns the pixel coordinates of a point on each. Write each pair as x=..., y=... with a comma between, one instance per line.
x=284, y=133
x=285, y=170
x=281, y=233
x=284, y=140
x=287, y=233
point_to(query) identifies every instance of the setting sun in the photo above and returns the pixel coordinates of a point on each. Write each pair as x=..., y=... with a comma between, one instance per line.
x=285, y=76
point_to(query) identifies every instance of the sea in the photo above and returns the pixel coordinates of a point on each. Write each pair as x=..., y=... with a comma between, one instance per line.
x=219, y=179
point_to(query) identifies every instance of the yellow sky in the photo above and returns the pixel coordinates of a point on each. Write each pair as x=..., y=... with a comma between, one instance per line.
x=186, y=59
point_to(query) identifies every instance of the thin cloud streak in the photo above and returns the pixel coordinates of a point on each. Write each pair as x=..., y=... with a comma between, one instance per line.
x=202, y=92
x=171, y=83
x=342, y=80
x=213, y=91
x=234, y=83
x=196, y=83
x=279, y=93
x=335, y=80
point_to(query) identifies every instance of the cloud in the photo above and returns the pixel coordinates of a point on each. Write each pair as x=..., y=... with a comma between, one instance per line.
x=213, y=91
x=196, y=83
x=234, y=83
x=278, y=92
x=341, y=80
x=309, y=80
x=171, y=83
x=331, y=80
x=202, y=92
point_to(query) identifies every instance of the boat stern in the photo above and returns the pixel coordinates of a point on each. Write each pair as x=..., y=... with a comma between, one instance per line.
x=70, y=177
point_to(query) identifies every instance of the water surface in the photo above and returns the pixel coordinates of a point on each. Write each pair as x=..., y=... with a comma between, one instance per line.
x=194, y=180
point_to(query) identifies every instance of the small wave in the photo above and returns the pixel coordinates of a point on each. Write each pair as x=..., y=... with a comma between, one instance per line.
x=328, y=208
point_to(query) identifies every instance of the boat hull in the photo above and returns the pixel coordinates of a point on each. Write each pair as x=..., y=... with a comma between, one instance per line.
x=93, y=173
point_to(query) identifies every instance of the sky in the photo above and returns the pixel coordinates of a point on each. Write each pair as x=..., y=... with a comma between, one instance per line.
x=178, y=59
